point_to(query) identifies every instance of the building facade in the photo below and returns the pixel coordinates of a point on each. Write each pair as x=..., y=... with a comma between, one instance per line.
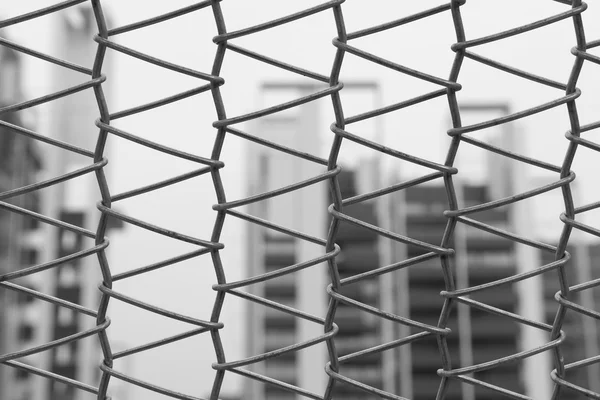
x=75, y=281
x=270, y=250
x=414, y=292
x=582, y=340
x=20, y=236
x=28, y=322
x=359, y=330
x=477, y=336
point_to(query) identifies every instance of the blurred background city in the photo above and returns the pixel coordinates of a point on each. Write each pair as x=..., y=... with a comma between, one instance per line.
x=250, y=328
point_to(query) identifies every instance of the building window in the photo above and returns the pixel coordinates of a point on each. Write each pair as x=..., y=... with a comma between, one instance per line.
x=26, y=332
x=21, y=374
x=29, y=257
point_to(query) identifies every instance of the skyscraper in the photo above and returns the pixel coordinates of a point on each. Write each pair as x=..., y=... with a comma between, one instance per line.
x=583, y=340
x=477, y=336
x=26, y=321
x=359, y=330
x=270, y=250
x=77, y=280
x=20, y=162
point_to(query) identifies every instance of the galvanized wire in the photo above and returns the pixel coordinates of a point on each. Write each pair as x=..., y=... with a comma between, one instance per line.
x=226, y=208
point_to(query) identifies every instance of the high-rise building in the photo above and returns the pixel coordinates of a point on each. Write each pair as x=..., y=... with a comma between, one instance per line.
x=20, y=163
x=75, y=281
x=480, y=258
x=27, y=322
x=359, y=330
x=269, y=250
x=582, y=340
x=414, y=292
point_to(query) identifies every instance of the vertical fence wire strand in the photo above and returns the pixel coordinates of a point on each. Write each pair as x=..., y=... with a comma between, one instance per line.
x=106, y=201
x=451, y=197
x=220, y=192
x=564, y=292
x=334, y=187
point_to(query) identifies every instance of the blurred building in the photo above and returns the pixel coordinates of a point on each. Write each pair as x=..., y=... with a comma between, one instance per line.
x=359, y=330
x=269, y=250
x=20, y=163
x=27, y=322
x=74, y=202
x=410, y=370
x=480, y=258
x=582, y=340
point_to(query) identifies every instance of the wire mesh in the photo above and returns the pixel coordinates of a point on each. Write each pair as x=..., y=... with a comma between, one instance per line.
x=227, y=208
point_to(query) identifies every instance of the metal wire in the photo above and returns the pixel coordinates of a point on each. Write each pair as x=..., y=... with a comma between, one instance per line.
x=226, y=207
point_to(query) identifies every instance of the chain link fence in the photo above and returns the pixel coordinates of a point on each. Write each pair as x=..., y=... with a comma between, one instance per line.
x=229, y=208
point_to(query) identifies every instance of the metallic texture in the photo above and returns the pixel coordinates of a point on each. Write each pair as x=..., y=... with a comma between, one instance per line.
x=226, y=208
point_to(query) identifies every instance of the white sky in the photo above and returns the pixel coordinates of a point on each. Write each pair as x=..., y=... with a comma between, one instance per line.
x=186, y=207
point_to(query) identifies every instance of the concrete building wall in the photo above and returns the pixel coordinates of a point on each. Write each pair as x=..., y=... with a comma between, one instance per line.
x=20, y=235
